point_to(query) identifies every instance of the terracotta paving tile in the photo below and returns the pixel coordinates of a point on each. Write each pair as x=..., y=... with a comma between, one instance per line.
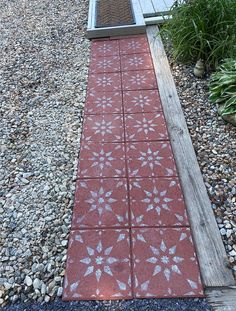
x=141, y=101
x=105, y=64
x=145, y=126
x=98, y=265
x=165, y=264
x=138, y=80
x=103, y=128
x=103, y=102
x=101, y=160
x=127, y=187
x=105, y=48
x=150, y=159
x=100, y=203
x=157, y=202
x=134, y=45
x=104, y=82
x=136, y=62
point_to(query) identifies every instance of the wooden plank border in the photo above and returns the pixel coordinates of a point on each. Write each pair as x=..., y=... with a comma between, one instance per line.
x=222, y=299
x=209, y=246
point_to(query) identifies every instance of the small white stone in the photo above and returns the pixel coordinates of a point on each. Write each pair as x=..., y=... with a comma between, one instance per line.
x=37, y=283
x=222, y=231
x=228, y=233
x=7, y=285
x=232, y=253
x=64, y=242
x=46, y=298
x=43, y=289
x=59, y=292
x=28, y=280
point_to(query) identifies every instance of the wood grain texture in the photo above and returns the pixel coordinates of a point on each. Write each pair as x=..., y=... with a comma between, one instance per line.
x=147, y=8
x=162, y=6
x=209, y=246
x=222, y=299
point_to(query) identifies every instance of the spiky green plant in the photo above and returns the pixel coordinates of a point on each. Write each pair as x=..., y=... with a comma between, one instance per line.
x=223, y=87
x=203, y=29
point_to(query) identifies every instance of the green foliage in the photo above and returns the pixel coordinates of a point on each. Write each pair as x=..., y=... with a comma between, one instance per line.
x=223, y=87
x=203, y=29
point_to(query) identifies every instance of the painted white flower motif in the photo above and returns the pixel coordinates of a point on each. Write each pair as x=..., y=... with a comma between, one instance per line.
x=98, y=261
x=104, y=48
x=136, y=61
x=150, y=158
x=102, y=159
x=104, y=81
x=156, y=200
x=103, y=128
x=141, y=101
x=145, y=125
x=165, y=260
x=104, y=63
x=101, y=201
x=138, y=79
x=103, y=102
x=134, y=45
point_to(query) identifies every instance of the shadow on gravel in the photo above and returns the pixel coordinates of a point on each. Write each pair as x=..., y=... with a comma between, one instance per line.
x=130, y=305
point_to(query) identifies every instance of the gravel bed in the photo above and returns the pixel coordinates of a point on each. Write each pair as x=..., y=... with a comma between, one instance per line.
x=130, y=305
x=43, y=69
x=214, y=142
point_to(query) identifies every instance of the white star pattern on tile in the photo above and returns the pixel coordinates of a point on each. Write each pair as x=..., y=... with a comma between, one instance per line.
x=104, y=63
x=104, y=81
x=145, y=125
x=104, y=48
x=98, y=261
x=100, y=201
x=134, y=45
x=103, y=102
x=165, y=260
x=136, y=61
x=138, y=79
x=103, y=127
x=150, y=158
x=102, y=159
x=103, y=162
x=156, y=200
x=141, y=101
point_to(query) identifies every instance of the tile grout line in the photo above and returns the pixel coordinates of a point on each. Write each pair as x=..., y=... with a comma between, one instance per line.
x=128, y=188
x=129, y=227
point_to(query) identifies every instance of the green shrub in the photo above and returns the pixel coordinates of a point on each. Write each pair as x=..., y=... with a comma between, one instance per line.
x=223, y=87
x=203, y=29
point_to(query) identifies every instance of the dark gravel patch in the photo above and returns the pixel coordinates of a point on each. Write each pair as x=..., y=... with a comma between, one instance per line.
x=131, y=305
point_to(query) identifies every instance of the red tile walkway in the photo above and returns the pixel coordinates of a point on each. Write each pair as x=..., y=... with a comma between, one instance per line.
x=130, y=233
